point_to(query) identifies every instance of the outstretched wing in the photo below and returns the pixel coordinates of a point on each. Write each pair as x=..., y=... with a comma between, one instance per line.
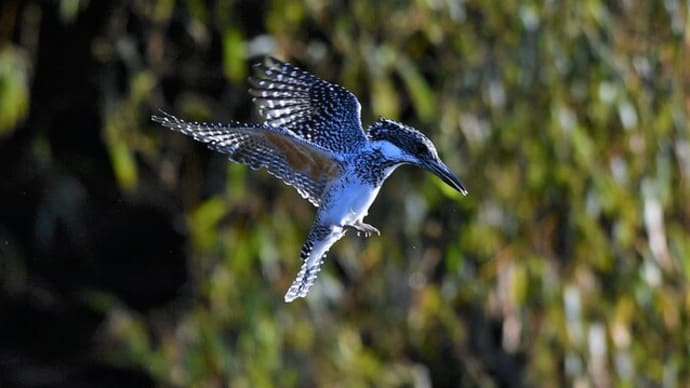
x=318, y=111
x=298, y=163
x=319, y=241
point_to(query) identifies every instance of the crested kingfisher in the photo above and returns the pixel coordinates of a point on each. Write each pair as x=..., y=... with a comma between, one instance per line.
x=312, y=139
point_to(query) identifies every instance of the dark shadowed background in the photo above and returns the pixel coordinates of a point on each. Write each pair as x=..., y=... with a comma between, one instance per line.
x=133, y=256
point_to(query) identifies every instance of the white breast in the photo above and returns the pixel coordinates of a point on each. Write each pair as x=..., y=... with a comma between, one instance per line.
x=350, y=203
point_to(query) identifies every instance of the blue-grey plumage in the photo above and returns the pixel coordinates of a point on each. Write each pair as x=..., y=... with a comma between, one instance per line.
x=312, y=139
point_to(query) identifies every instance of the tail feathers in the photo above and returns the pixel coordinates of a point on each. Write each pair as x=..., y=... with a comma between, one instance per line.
x=305, y=279
x=314, y=250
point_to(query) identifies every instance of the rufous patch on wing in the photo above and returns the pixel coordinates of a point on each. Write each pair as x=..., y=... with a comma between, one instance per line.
x=304, y=159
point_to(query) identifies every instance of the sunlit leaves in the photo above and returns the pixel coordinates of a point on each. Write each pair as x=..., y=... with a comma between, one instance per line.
x=120, y=137
x=14, y=88
x=422, y=96
x=234, y=55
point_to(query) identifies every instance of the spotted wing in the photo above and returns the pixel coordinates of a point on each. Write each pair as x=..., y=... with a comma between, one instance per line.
x=319, y=240
x=318, y=111
x=298, y=163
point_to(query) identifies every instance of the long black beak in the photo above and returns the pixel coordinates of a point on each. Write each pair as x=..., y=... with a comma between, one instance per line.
x=442, y=171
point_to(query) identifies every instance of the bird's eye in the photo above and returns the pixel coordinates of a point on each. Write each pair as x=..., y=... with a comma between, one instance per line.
x=420, y=149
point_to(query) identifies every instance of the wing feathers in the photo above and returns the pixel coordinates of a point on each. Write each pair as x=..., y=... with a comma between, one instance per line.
x=319, y=111
x=305, y=166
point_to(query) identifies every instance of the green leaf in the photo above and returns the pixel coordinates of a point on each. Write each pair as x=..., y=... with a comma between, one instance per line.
x=422, y=97
x=14, y=88
x=234, y=53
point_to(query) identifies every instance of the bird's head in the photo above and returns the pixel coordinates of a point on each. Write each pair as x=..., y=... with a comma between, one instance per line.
x=412, y=146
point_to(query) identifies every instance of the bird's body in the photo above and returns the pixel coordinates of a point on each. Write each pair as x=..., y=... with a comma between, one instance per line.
x=313, y=140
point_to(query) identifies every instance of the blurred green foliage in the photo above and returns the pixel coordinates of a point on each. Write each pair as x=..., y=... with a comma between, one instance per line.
x=14, y=88
x=568, y=263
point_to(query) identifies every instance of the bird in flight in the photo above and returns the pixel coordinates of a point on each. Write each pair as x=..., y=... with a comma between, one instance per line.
x=313, y=140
